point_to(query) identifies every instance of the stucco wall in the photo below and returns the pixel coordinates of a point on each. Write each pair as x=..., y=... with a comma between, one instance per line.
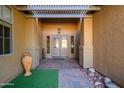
x=86, y=47
x=32, y=39
x=26, y=37
x=108, y=42
x=87, y=43
x=40, y=38
x=79, y=21
x=10, y=65
x=81, y=42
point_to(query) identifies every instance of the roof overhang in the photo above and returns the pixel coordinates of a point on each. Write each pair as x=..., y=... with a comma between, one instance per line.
x=57, y=11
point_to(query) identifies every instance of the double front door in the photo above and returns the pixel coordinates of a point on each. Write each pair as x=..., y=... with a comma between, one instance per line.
x=60, y=46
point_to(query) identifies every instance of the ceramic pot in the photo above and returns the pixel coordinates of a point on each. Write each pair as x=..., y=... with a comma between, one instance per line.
x=27, y=63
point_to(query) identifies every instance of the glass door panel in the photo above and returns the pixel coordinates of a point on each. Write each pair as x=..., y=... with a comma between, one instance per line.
x=64, y=46
x=56, y=42
x=55, y=46
x=64, y=42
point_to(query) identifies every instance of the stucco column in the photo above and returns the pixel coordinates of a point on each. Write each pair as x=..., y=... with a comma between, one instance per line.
x=81, y=41
x=87, y=45
x=32, y=40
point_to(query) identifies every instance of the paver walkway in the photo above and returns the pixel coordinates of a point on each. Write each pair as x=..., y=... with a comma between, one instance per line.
x=70, y=73
x=73, y=78
x=58, y=64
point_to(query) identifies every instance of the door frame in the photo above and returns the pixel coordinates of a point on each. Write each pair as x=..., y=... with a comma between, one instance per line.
x=60, y=46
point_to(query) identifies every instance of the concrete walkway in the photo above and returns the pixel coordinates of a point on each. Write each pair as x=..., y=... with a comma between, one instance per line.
x=70, y=73
x=58, y=64
x=73, y=78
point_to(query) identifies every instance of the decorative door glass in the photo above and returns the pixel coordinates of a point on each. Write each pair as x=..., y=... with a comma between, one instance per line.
x=72, y=44
x=48, y=44
x=64, y=42
x=56, y=42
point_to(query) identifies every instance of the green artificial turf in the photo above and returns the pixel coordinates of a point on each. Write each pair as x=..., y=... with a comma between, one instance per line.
x=38, y=79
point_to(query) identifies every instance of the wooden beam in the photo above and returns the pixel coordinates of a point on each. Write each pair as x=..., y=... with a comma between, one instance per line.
x=58, y=15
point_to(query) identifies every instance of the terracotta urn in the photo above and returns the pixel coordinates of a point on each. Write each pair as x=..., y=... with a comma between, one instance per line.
x=27, y=63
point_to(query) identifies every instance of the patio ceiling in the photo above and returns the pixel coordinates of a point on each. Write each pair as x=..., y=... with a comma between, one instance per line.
x=57, y=11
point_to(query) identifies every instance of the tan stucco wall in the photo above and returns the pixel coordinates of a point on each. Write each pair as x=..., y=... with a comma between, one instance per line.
x=26, y=37
x=87, y=32
x=108, y=37
x=81, y=41
x=87, y=43
x=78, y=33
x=10, y=64
x=40, y=38
x=32, y=39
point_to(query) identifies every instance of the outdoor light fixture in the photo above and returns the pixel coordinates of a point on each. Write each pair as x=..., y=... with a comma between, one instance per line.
x=59, y=30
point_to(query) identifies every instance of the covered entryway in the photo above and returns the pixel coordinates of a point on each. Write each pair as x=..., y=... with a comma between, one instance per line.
x=65, y=31
x=59, y=39
x=63, y=40
x=63, y=43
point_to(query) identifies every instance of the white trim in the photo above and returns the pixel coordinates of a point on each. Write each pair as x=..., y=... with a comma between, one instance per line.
x=58, y=7
x=4, y=23
x=57, y=11
x=6, y=55
x=59, y=35
x=11, y=27
x=58, y=15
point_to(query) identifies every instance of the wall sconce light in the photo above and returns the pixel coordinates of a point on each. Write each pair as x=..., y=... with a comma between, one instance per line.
x=59, y=30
